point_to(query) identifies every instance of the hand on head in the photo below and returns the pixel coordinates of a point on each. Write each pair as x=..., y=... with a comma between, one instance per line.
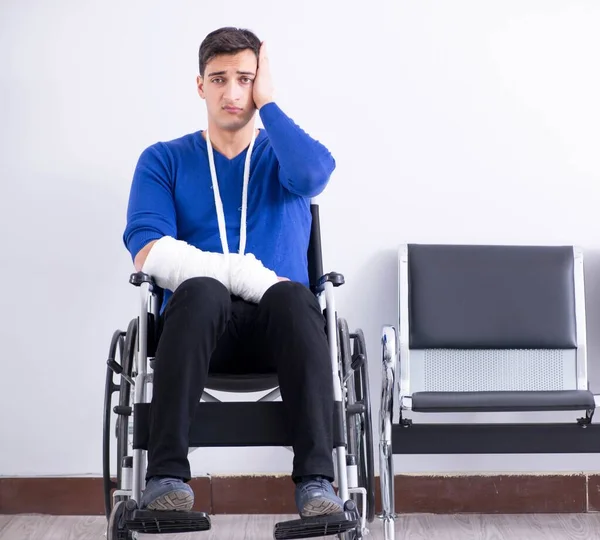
x=262, y=91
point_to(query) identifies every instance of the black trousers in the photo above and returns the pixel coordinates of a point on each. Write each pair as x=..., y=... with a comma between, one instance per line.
x=205, y=329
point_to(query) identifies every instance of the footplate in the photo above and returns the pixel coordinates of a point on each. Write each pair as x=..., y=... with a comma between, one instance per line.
x=317, y=526
x=162, y=522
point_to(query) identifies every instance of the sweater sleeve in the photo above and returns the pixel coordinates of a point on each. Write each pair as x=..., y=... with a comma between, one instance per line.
x=151, y=209
x=305, y=165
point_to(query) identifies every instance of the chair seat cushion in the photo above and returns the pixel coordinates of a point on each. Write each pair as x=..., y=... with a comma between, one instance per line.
x=251, y=382
x=560, y=400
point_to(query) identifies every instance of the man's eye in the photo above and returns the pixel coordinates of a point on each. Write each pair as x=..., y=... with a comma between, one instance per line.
x=217, y=80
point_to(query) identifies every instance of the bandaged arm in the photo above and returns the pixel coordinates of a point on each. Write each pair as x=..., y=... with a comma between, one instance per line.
x=250, y=279
x=171, y=262
x=151, y=234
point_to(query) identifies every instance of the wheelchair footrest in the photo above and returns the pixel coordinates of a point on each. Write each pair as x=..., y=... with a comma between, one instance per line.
x=162, y=522
x=316, y=526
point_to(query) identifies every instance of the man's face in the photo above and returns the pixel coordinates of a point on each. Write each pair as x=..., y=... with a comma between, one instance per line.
x=227, y=88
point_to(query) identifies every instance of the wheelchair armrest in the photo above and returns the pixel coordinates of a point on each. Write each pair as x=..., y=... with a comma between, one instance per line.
x=137, y=278
x=333, y=277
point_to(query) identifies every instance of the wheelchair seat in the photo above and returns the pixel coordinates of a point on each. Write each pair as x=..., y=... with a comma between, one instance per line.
x=241, y=383
x=238, y=382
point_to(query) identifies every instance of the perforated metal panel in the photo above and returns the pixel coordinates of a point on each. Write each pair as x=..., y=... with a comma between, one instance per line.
x=442, y=370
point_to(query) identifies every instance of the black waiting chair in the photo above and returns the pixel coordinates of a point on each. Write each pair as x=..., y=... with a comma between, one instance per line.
x=485, y=329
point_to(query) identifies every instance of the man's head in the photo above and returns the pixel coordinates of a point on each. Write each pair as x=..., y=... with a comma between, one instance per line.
x=228, y=60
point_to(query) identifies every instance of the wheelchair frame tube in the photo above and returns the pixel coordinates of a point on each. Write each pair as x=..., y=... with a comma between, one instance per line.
x=139, y=456
x=332, y=333
x=386, y=456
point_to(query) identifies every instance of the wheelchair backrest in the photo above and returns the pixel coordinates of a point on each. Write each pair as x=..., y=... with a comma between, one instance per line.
x=315, y=254
x=477, y=318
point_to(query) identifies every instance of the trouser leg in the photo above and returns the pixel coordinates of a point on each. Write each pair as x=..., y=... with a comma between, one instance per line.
x=194, y=319
x=289, y=330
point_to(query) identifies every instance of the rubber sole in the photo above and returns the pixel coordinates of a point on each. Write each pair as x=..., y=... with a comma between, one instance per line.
x=181, y=501
x=321, y=507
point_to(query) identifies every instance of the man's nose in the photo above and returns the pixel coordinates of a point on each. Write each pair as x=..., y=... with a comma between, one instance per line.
x=232, y=91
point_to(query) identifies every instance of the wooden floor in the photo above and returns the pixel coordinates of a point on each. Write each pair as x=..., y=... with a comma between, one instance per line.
x=413, y=527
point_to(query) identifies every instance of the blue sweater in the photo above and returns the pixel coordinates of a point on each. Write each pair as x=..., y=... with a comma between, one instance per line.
x=172, y=195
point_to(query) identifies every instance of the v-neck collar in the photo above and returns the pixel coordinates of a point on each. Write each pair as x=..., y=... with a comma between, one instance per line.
x=204, y=146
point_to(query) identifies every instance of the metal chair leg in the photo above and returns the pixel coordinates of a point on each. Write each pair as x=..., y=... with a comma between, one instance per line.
x=386, y=464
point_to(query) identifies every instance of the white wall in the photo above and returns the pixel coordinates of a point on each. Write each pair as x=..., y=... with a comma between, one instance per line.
x=450, y=122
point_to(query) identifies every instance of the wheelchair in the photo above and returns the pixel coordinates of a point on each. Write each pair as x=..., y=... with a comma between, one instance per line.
x=236, y=423
x=483, y=330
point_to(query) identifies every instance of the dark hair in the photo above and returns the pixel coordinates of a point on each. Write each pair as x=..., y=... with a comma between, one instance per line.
x=227, y=40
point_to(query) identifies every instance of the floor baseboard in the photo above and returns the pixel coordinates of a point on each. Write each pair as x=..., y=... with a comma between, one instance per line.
x=262, y=494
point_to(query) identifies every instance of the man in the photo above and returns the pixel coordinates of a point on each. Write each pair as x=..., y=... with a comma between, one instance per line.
x=221, y=219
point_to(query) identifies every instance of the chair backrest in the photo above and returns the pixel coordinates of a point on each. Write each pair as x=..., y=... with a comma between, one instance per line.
x=477, y=318
x=315, y=254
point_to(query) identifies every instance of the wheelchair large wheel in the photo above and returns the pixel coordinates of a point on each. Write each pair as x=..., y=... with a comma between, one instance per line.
x=116, y=528
x=355, y=370
x=120, y=362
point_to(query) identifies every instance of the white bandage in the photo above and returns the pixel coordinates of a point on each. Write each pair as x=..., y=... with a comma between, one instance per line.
x=171, y=262
x=249, y=278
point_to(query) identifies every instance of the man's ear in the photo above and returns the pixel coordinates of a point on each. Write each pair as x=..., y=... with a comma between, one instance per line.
x=200, y=85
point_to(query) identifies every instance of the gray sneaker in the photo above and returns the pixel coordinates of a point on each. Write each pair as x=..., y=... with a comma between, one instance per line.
x=316, y=497
x=167, y=494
